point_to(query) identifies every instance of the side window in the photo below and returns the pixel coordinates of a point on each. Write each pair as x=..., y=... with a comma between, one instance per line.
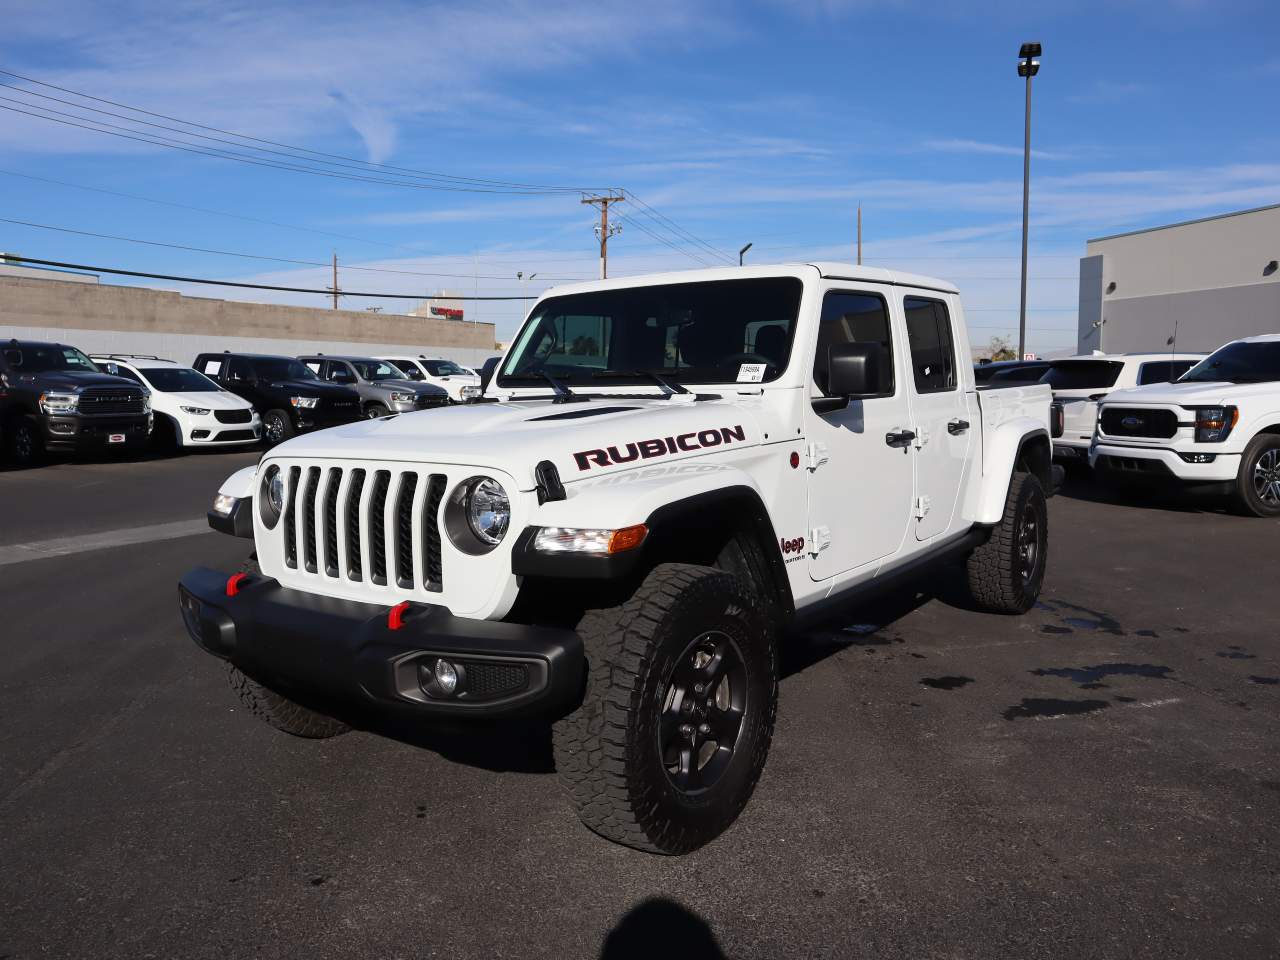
x=1163, y=371
x=237, y=369
x=933, y=352
x=854, y=318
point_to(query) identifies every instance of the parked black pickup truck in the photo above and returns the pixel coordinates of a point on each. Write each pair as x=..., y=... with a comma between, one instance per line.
x=287, y=394
x=55, y=400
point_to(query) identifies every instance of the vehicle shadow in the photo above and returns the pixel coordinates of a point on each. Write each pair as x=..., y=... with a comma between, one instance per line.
x=1081, y=484
x=661, y=928
x=508, y=746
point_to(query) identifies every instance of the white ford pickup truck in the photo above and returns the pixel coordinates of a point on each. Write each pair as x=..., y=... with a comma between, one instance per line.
x=1219, y=424
x=665, y=475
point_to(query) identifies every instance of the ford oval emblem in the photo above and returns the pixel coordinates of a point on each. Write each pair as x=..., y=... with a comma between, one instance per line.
x=1132, y=422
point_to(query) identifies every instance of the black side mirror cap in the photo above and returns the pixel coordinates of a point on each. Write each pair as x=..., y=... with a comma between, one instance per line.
x=853, y=373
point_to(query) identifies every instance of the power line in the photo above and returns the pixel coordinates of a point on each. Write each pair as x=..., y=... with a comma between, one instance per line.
x=675, y=228
x=643, y=229
x=240, y=136
x=232, y=283
x=256, y=256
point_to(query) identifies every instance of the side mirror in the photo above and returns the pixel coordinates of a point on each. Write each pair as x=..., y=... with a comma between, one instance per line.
x=486, y=372
x=853, y=373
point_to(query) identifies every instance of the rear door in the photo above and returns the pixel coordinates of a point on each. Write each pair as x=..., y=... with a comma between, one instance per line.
x=238, y=377
x=860, y=488
x=942, y=412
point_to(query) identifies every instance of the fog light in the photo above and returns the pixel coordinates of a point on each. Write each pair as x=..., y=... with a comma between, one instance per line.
x=1199, y=457
x=446, y=677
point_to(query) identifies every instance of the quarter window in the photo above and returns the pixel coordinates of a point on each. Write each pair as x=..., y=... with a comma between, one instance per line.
x=933, y=352
x=854, y=318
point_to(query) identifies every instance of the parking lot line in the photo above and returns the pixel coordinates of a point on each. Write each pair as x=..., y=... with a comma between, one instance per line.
x=66, y=546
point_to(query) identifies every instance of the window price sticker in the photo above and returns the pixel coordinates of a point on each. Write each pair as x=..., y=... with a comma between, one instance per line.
x=751, y=372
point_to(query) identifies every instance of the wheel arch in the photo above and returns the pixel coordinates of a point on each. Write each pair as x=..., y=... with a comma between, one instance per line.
x=1018, y=445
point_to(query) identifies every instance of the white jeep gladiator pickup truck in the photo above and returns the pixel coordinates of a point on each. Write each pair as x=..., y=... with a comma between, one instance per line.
x=665, y=476
x=1219, y=424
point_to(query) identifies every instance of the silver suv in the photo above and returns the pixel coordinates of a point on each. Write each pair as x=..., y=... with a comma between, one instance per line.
x=383, y=387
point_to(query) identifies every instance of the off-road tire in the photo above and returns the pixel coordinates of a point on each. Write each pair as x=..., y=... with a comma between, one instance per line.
x=375, y=410
x=279, y=711
x=24, y=442
x=1263, y=452
x=998, y=578
x=285, y=427
x=608, y=752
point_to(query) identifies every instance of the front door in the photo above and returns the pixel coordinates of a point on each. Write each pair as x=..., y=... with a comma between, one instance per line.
x=861, y=487
x=943, y=414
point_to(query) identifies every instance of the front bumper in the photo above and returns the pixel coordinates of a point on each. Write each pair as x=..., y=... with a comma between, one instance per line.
x=346, y=649
x=1161, y=463
x=78, y=434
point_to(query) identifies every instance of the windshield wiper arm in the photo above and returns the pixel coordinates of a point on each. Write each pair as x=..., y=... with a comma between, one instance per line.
x=661, y=381
x=562, y=391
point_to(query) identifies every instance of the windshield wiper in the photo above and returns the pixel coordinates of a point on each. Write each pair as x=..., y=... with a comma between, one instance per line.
x=562, y=391
x=663, y=382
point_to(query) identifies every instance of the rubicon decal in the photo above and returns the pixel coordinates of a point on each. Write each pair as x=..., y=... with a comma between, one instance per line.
x=658, y=447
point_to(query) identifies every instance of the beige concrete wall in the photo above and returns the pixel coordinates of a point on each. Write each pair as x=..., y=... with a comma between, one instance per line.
x=55, y=305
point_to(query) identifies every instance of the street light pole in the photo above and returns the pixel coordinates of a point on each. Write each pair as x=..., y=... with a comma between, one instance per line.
x=1028, y=66
x=743, y=252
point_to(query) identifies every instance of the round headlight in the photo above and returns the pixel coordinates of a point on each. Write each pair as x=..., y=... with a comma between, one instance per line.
x=488, y=510
x=272, y=498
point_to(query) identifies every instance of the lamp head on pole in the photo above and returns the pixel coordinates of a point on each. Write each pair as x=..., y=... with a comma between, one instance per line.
x=1028, y=65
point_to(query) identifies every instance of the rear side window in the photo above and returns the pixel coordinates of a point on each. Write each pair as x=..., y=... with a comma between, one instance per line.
x=410, y=369
x=1163, y=371
x=1083, y=374
x=854, y=318
x=933, y=352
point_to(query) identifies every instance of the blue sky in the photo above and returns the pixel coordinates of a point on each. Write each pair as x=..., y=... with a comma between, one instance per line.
x=762, y=120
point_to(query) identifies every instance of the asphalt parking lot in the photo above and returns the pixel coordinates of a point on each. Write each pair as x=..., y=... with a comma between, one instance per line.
x=1100, y=778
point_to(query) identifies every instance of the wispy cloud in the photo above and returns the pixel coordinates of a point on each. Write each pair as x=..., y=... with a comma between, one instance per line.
x=992, y=149
x=1111, y=91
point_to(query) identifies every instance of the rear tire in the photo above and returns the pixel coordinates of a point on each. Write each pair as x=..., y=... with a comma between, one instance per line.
x=277, y=710
x=674, y=728
x=1258, y=482
x=277, y=427
x=1006, y=573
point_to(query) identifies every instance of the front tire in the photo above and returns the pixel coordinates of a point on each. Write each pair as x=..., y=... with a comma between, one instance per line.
x=1006, y=573
x=674, y=728
x=375, y=410
x=277, y=427
x=1258, y=482
x=26, y=442
x=277, y=710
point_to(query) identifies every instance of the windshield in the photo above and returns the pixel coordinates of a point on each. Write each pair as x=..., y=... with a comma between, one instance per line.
x=1083, y=374
x=720, y=331
x=378, y=370
x=282, y=368
x=178, y=380
x=443, y=368
x=1238, y=362
x=48, y=359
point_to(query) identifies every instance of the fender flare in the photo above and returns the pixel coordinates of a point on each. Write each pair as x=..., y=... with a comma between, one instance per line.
x=1005, y=446
x=240, y=483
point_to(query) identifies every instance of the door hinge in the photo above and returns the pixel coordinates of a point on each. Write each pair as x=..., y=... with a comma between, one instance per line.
x=819, y=540
x=921, y=437
x=817, y=454
x=922, y=506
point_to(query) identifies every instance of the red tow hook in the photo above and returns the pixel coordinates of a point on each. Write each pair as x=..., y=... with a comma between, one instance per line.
x=233, y=584
x=395, y=616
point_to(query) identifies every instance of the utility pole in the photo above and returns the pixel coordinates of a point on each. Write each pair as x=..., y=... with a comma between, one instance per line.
x=1028, y=66
x=859, y=234
x=336, y=292
x=603, y=230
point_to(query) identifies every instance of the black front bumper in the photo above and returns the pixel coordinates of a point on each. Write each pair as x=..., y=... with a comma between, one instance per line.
x=345, y=649
x=79, y=434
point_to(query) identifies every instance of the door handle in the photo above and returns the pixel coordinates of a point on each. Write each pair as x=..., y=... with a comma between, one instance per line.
x=899, y=438
x=957, y=427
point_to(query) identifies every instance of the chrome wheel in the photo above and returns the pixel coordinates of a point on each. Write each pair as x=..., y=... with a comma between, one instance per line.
x=23, y=443
x=273, y=428
x=1266, y=477
x=702, y=710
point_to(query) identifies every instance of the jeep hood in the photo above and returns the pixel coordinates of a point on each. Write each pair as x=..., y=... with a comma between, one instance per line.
x=1190, y=394
x=588, y=439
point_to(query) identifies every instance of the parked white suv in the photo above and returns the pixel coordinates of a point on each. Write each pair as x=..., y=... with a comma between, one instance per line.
x=459, y=382
x=190, y=409
x=1220, y=423
x=1078, y=383
x=665, y=475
